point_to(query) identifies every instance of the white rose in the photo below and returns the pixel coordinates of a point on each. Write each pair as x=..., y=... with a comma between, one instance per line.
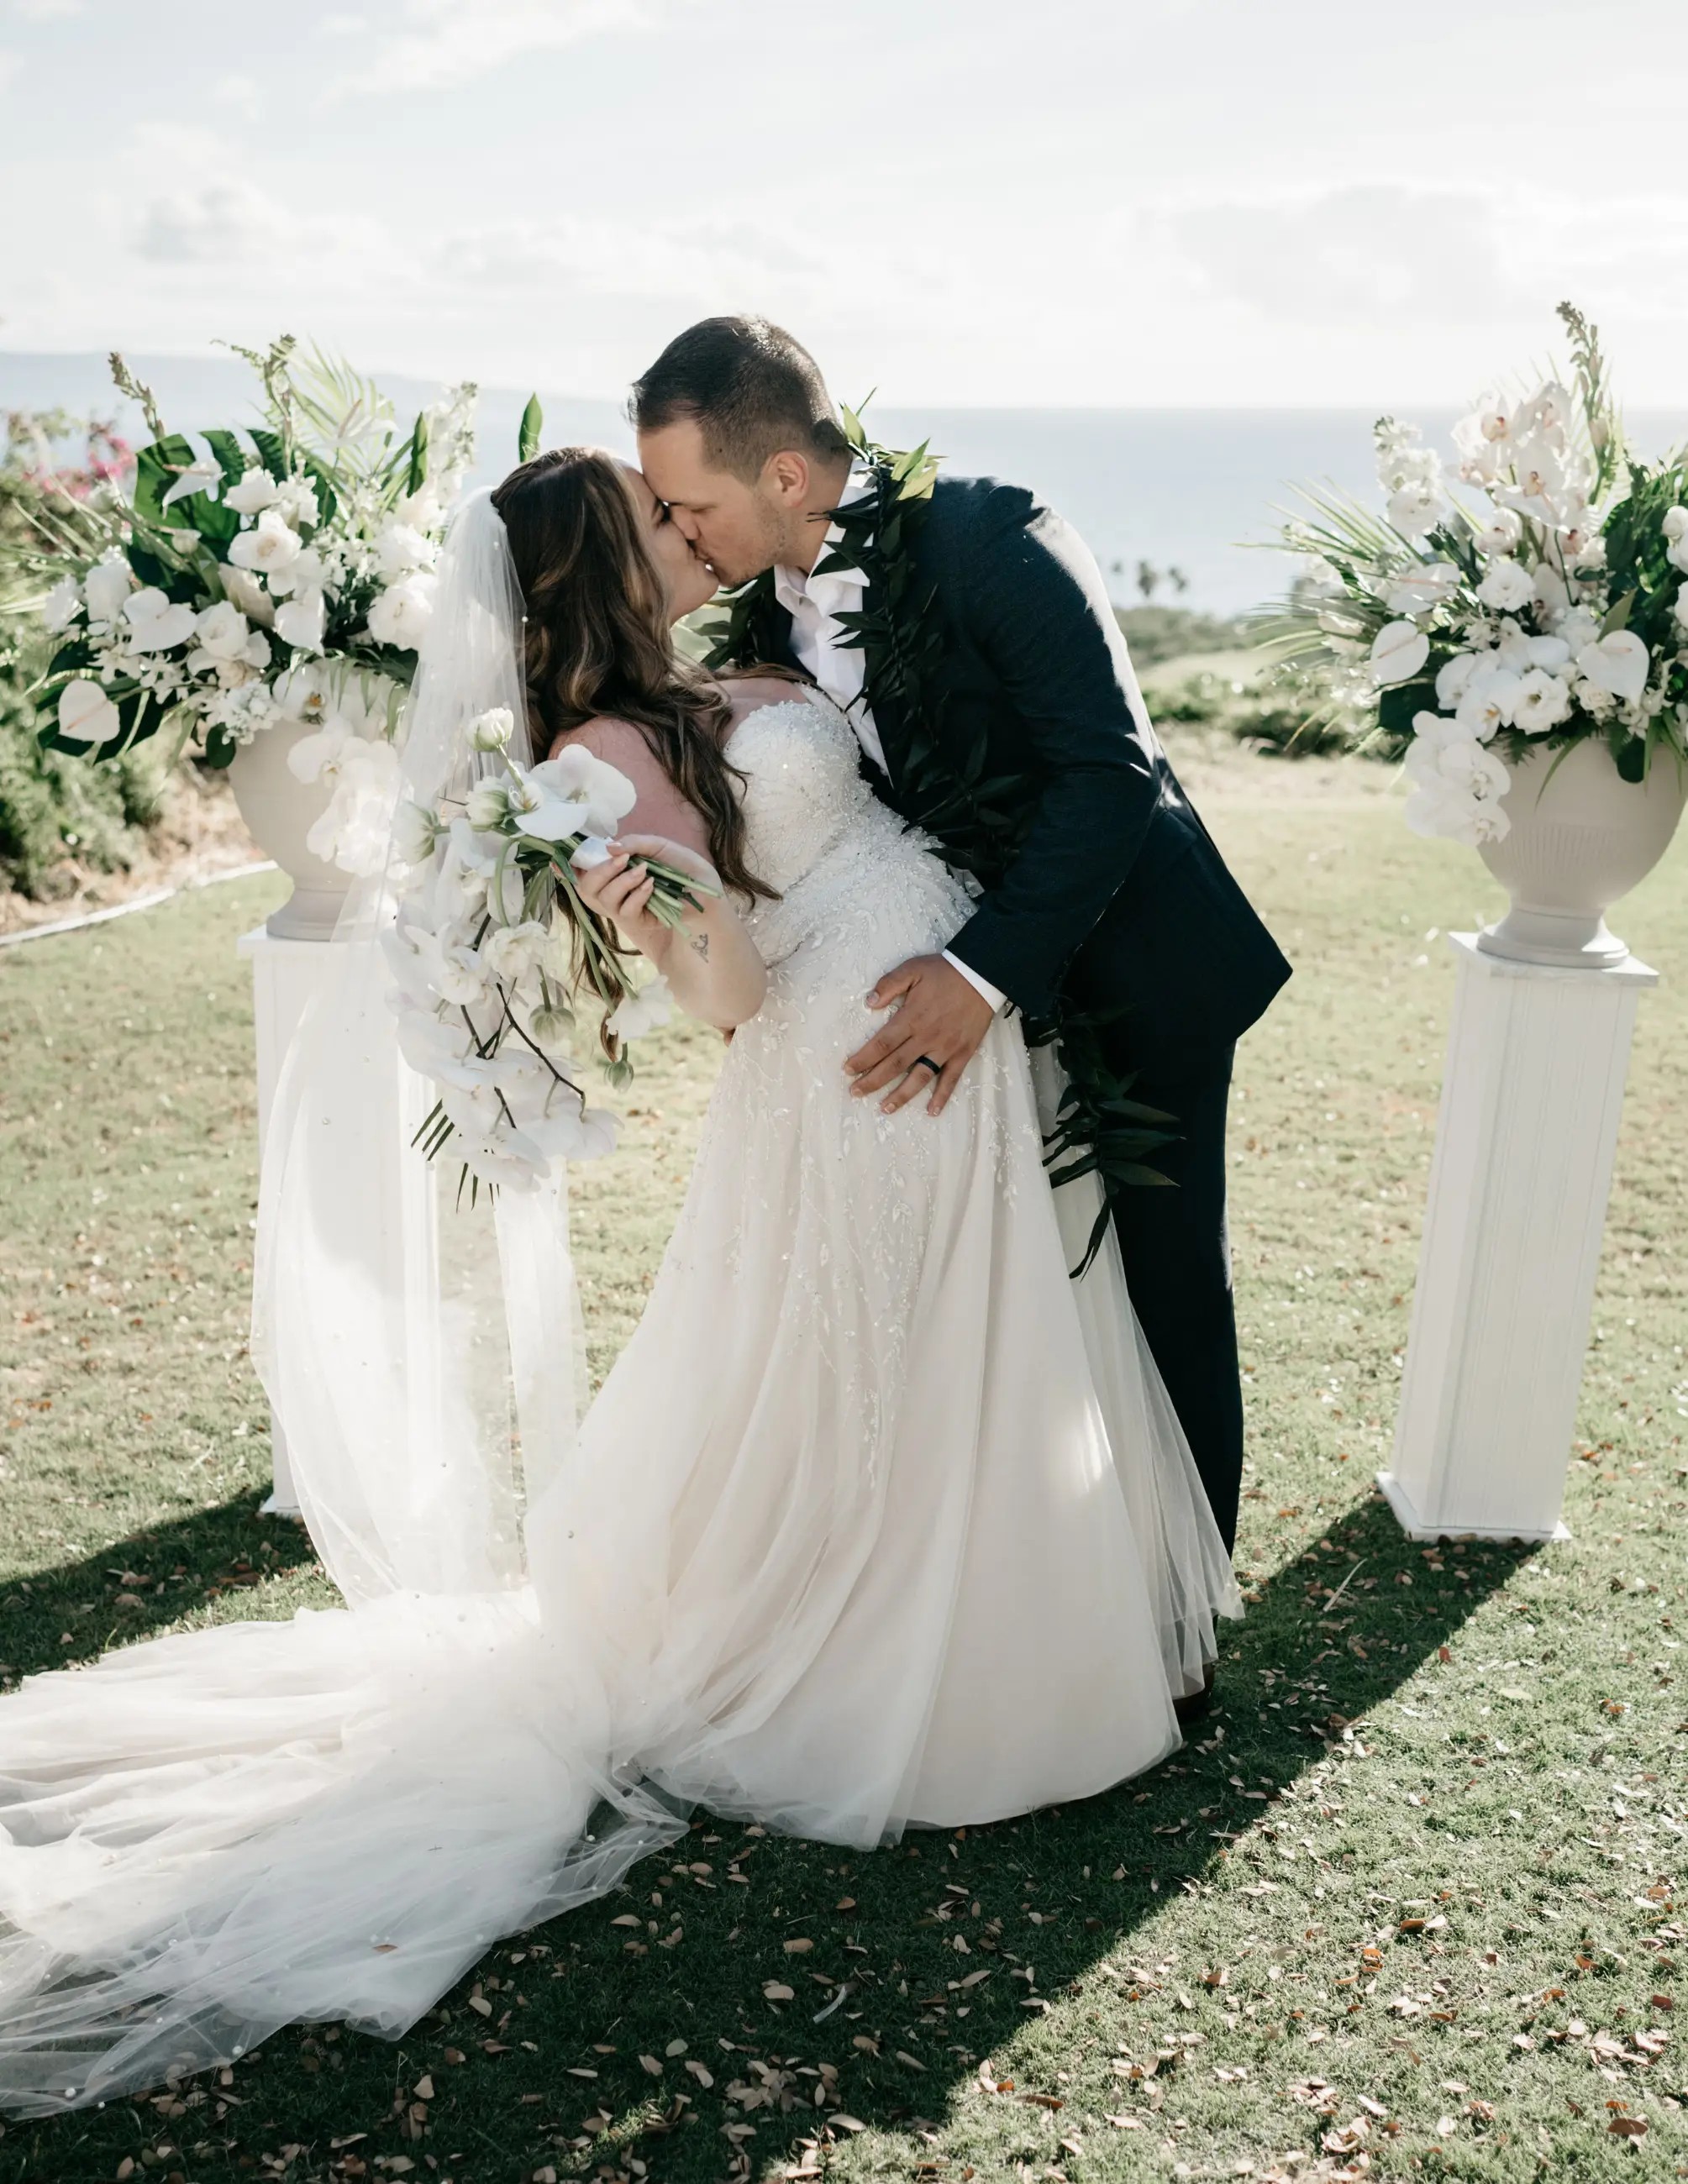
x=1398, y=652
x=107, y=584
x=1506, y=585
x=154, y=624
x=270, y=547
x=1501, y=533
x=300, y=622
x=1617, y=663
x=222, y=631
x=252, y=493
x=296, y=503
x=85, y=714
x=398, y=617
x=1541, y=702
x=401, y=547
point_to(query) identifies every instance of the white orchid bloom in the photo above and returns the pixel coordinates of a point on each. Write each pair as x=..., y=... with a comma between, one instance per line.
x=453, y=973
x=252, y=493
x=1541, y=702
x=1452, y=677
x=644, y=1012
x=415, y=831
x=1618, y=663
x=269, y=547
x=1501, y=529
x=155, y=624
x=62, y=604
x=1398, y=652
x=106, y=586
x=1506, y=585
x=399, y=615
x=577, y=777
x=1552, y=595
x=85, y=714
x=571, y=1133
x=1487, y=705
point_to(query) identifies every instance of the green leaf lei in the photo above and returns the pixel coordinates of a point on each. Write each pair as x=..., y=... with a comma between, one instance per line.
x=979, y=823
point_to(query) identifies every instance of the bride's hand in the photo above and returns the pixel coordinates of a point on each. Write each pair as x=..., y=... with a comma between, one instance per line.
x=620, y=889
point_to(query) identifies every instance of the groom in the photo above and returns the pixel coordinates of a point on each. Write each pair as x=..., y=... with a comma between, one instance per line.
x=964, y=629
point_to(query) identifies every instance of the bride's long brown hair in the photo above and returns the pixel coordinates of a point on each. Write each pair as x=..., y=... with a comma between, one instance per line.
x=597, y=642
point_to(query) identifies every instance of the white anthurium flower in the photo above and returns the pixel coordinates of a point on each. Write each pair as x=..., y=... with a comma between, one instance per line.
x=1675, y=524
x=300, y=620
x=252, y=493
x=1506, y=585
x=85, y=714
x=62, y=604
x=644, y=1012
x=398, y=617
x=576, y=792
x=202, y=476
x=1452, y=677
x=1617, y=663
x=154, y=624
x=399, y=547
x=106, y=586
x=269, y=547
x=242, y=589
x=416, y=830
x=513, y=952
x=1501, y=529
x=1541, y=702
x=1676, y=553
x=1423, y=589
x=222, y=631
x=1680, y=609
x=491, y=731
x=256, y=650
x=1398, y=652
x=1487, y=705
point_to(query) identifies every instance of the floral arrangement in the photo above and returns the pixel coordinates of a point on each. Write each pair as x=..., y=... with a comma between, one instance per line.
x=490, y=942
x=285, y=576
x=1544, y=606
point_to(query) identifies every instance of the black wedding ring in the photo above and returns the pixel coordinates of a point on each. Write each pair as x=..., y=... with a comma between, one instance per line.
x=926, y=1061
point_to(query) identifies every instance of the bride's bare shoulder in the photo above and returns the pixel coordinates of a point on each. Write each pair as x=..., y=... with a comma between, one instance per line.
x=769, y=686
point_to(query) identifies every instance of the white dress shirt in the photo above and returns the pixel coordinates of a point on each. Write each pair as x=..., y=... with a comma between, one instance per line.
x=814, y=604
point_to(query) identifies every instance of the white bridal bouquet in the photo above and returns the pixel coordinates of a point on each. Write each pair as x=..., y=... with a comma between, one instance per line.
x=1536, y=599
x=283, y=574
x=490, y=942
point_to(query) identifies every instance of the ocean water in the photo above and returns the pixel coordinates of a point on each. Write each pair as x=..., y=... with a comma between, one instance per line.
x=1200, y=490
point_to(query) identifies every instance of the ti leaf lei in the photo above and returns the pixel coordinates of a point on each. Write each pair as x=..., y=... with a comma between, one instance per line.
x=978, y=822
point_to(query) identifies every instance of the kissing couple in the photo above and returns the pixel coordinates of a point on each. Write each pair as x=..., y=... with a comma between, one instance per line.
x=908, y=1503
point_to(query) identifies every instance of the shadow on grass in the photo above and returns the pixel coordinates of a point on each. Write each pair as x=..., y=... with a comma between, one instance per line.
x=555, y=2078
x=146, y=1583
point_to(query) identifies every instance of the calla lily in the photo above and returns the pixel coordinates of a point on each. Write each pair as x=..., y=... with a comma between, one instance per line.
x=1617, y=663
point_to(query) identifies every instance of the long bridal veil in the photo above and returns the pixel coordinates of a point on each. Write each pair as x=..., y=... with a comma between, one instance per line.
x=208, y=1835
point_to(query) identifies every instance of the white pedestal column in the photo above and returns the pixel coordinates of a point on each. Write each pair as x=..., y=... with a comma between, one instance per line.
x=285, y=974
x=1519, y=1184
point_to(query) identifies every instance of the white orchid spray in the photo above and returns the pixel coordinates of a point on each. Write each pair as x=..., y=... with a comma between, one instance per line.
x=284, y=576
x=1533, y=598
x=492, y=944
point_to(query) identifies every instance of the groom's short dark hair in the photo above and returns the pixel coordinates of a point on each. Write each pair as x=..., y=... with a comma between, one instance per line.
x=752, y=388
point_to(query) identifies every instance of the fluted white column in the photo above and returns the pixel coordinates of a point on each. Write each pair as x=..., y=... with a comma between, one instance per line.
x=1531, y=1100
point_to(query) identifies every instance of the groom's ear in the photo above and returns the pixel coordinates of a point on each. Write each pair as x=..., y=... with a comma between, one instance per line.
x=786, y=477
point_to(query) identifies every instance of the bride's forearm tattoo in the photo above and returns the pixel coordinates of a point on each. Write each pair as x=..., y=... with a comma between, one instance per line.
x=700, y=941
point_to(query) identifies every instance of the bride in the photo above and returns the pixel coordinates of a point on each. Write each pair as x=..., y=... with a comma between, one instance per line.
x=879, y=1520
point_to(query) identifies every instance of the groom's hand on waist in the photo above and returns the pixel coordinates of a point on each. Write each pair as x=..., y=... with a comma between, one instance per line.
x=940, y=1021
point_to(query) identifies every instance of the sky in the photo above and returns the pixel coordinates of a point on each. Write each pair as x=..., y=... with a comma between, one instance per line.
x=1065, y=203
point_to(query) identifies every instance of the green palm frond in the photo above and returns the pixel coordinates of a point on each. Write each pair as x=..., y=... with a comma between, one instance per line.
x=343, y=415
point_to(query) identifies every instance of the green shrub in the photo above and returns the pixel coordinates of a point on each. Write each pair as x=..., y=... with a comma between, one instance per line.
x=1156, y=634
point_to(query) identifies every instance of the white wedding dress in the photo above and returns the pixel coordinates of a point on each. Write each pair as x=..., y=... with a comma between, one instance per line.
x=880, y=1521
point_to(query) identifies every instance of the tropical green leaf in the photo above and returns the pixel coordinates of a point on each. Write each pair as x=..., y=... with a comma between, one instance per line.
x=533, y=424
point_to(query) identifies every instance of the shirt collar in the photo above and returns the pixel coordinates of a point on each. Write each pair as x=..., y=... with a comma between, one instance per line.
x=791, y=587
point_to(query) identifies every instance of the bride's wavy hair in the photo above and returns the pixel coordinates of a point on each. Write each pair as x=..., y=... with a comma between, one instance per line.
x=597, y=643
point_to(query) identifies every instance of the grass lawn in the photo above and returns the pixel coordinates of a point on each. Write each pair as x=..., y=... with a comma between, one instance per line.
x=1410, y=1907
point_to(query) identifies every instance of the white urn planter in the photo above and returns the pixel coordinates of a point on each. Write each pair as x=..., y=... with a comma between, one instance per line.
x=280, y=811
x=1577, y=843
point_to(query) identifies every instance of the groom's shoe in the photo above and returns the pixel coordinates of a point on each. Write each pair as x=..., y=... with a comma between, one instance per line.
x=1194, y=1705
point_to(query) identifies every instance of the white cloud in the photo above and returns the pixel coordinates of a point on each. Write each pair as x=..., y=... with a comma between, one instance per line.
x=222, y=222
x=450, y=42
x=47, y=11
